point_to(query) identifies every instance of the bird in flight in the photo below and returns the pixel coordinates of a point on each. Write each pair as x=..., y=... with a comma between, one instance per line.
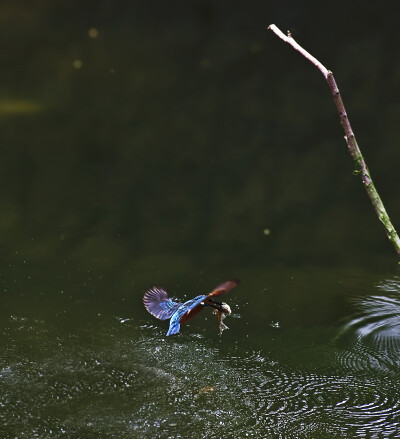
x=157, y=303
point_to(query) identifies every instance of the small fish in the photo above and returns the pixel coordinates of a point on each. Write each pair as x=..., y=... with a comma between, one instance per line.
x=221, y=313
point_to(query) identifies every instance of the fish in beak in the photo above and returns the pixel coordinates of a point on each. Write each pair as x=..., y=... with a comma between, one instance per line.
x=221, y=313
x=221, y=309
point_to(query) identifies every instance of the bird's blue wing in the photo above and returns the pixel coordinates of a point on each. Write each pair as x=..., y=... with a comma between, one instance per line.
x=183, y=308
x=158, y=304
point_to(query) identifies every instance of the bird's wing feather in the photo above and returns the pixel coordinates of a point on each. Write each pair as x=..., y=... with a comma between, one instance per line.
x=158, y=304
x=224, y=287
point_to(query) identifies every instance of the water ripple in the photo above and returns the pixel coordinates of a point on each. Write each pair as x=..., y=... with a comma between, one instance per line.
x=371, y=339
x=152, y=386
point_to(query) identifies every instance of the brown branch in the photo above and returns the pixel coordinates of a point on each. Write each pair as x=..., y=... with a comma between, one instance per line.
x=361, y=166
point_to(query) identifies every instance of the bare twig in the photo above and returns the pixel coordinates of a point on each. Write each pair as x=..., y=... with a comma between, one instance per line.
x=361, y=166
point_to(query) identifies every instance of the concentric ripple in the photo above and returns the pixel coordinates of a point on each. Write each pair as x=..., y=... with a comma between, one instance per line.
x=371, y=339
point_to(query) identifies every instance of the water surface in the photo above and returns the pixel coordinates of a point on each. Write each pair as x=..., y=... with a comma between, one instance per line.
x=115, y=373
x=181, y=145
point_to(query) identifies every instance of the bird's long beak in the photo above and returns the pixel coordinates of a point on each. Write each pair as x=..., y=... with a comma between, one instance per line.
x=213, y=303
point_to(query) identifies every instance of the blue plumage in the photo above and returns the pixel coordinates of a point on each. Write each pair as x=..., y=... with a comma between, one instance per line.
x=174, y=324
x=159, y=305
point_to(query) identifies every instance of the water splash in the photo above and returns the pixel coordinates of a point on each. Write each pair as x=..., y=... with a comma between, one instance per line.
x=131, y=381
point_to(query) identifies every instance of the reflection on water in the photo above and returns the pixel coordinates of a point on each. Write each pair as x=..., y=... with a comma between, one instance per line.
x=18, y=107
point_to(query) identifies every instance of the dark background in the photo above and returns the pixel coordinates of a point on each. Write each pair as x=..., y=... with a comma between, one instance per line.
x=181, y=144
x=188, y=130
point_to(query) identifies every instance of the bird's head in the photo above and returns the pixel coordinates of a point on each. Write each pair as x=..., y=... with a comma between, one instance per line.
x=220, y=306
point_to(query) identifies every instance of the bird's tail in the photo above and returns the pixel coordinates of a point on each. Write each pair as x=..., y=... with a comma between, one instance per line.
x=174, y=328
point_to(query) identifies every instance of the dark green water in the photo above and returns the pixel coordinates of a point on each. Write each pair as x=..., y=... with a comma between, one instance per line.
x=182, y=145
x=292, y=364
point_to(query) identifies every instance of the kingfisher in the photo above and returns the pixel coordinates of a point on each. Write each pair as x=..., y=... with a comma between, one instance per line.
x=157, y=303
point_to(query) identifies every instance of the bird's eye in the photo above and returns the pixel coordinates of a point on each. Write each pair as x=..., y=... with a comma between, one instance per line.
x=211, y=301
